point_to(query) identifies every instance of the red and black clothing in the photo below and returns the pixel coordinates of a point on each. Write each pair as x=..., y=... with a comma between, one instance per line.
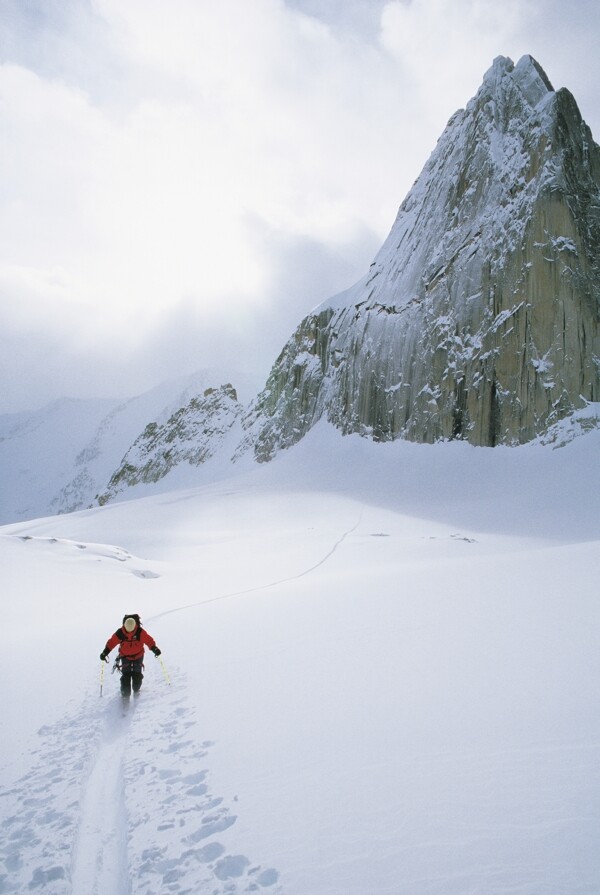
x=131, y=645
x=131, y=655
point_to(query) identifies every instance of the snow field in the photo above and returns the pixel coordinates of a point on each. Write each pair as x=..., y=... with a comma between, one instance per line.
x=368, y=695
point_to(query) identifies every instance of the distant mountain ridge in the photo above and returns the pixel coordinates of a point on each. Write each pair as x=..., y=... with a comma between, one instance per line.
x=64, y=456
x=193, y=434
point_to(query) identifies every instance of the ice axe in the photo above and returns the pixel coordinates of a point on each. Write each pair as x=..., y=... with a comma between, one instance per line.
x=164, y=670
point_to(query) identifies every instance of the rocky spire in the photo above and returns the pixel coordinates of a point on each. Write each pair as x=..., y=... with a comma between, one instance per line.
x=478, y=318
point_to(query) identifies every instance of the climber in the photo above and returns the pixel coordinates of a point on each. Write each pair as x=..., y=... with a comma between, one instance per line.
x=131, y=638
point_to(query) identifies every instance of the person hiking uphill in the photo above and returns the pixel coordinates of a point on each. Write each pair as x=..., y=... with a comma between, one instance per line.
x=131, y=639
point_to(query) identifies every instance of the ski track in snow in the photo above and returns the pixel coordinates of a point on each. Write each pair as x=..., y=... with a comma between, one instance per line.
x=270, y=584
x=99, y=863
x=119, y=803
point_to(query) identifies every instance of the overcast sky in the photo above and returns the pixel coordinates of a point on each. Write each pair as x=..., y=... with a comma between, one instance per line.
x=181, y=181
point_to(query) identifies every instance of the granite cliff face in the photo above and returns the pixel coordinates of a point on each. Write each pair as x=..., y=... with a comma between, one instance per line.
x=479, y=316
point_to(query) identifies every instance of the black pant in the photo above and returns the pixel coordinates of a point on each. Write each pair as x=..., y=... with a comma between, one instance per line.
x=131, y=673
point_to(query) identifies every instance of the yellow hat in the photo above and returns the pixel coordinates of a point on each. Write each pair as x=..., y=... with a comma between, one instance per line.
x=130, y=625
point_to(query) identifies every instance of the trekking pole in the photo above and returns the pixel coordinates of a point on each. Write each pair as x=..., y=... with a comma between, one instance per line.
x=162, y=665
x=101, y=677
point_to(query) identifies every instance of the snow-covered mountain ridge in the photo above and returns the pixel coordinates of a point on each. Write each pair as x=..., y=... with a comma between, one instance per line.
x=479, y=316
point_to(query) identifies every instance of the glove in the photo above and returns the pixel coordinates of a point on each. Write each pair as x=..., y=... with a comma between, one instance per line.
x=156, y=651
x=103, y=655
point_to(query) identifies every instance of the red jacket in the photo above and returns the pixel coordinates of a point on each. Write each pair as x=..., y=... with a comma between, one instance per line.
x=131, y=646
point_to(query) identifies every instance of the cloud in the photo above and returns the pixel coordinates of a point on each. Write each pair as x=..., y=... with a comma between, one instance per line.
x=48, y=356
x=444, y=47
x=231, y=121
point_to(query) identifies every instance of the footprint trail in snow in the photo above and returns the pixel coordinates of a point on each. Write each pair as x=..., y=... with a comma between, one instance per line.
x=99, y=858
x=121, y=805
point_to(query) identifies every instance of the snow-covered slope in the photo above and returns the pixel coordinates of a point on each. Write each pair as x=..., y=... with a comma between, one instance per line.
x=479, y=318
x=383, y=663
x=60, y=458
